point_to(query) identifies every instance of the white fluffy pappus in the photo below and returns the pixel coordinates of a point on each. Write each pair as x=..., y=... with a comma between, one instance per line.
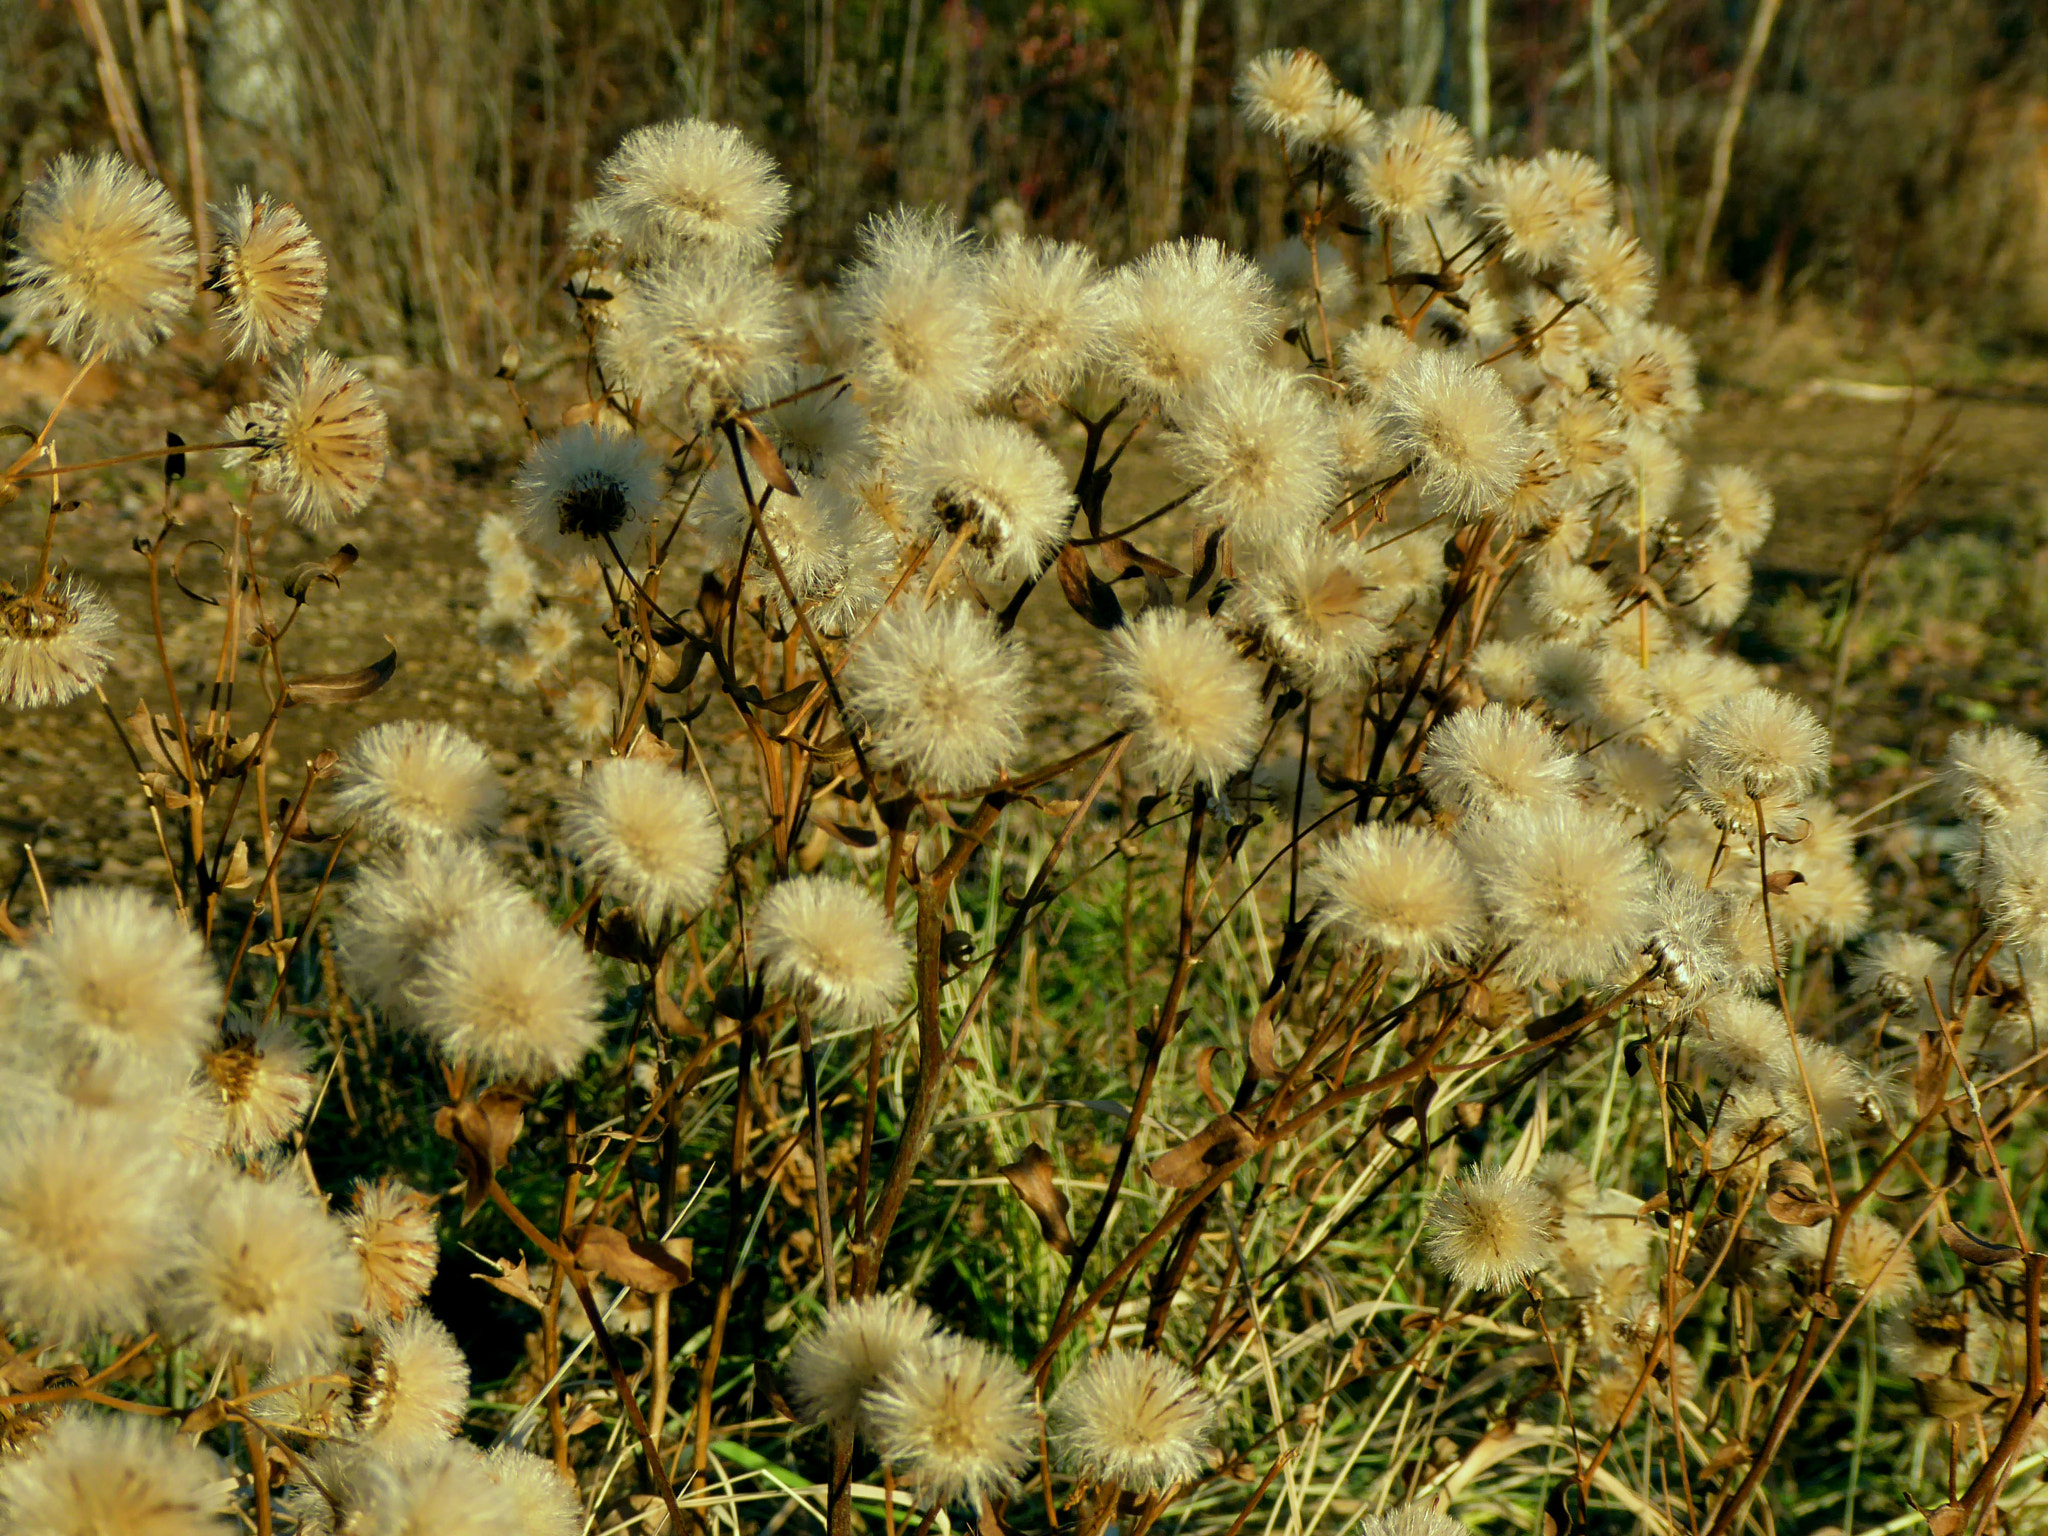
x=912, y=303
x=1182, y=313
x=418, y=781
x=1189, y=696
x=995, y=481
x=1407, y=171
x=1462, y=430
x=1488, y=1230
x=719, y=333
x=1499, y=758
x=650, y=833
x=1309, y=605
x=940, y=694
x=830, y=944
x=92, y=1473
x=1569, y=889
x=120, y=976
x=1132, y=1419
x=412, y=1386
x=957, y=1419
x=504, y=993
x=1401, y=891
x=399, y=906
x=586, y=491
x=1260, y=451
x=1047, y=308
x=836, y=1365
x=1286, y=92
x=53, y=642
x=694, y=183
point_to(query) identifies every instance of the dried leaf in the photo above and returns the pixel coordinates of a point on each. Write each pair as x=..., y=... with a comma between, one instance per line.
x=1226, y=1139
x=1259, y=1044
x=238, y=875
x=483, y=1130
x=1782, y=880
x=1944, y=1397
x=209, y=1415
x=1972, y=1249
x=241, y=752
x=302, y=581
x=343, y=687
x=769, y=1401
x=1088, y=594
x=178, y=569
x=1205, y=1077
x=1793, y=1198
x=640, y=1262
x=577, y=415
x=1946, y=1520
x=1206, y=561
x=1031, y=1177
x=853, y=837
x=514, y=1281
x=1930, y=1074
x=765, y=458
x=1730, y=1456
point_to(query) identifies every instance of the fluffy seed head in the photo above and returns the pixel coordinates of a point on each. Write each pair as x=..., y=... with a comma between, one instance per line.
x=913, y=304
x=1997, y=776
x=418, y=781
x=270, y=273
x=414, y=1385
x=1401, y=891
x=830, y=944
x=1192, y=700
x=101, y=257
x=834, y=1368
x=1286, y=92
x=718, y=333
x=390, y=1230
x=1585, y=190
x=505, y=993
x=1874, y=1258
x=994, y=479
x=1521, y=204
x=956, y=1419
x=1310, y=607
x=586, y=712
x=122, y=977
x=1411, y=1520
x=1259, y=449
x=1407, y=172
x=1611, y=272
x=1131, y=1419
x=316, y=439
x=398, y=908
x=264, y=1083
x=547, y=1502
x=1498, y=758
x=1652, y=374
x=1897, y=970
x=1462, y=429
x=1182, y=313
x=444, y=1489
x=940, y=694
x=1489, y=1231
x=1047, y=308
x=1738, y=505
x=268, y=1275
x=94, y=1475
x=697, y=185
x=1309, y=285
x=1370, y=356
x=650, y=833
x=53, y=644
x=89, y=1224
x=1569, y=890
x=586, y=491
x=1761, y=743
x=1744, y=1040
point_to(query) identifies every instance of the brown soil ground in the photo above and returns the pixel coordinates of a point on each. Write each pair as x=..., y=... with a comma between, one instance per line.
x=455, y=442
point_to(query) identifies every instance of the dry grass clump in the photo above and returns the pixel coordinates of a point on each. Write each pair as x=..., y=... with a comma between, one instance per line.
x=1363, y=1043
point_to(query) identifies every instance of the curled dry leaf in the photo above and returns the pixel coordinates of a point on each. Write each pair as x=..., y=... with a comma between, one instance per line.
x=1226, y=1139
x=1972, y=1249
x=640, y=1262
x=1031, y=1177
x=342, y=687
x=1793, y=1198
x=483, y=1130
x=1089, y=595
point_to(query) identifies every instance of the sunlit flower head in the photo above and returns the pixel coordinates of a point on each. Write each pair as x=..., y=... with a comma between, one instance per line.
x=995, y=480
x=650, y=832
x=1400, y=891
x=119, y=975
x=1498, y=758
x=1489, y=1231
x=399, y=907
x=940, y=694
x=101, y=257
x=97, y=1473
x=834, y=1368
x=1286, y=92
x=716, y=335
x=588, y=491
x=1462, y=430
x=418, y=781
x=53, y=643
x=390, y=1230
x=1181, y=314
x=1191, y=698
x=830, y=944
x=1132, y=1419
x=956, y=1419
x=1569, y=890
x=913, y=305
x=263, y=1080
x=270, y=273
x=1257, y=446
x=1047, y=307
x=506, y=994
x=1309, y=605
x=1408, y=170
x=317, y=439
x=413, y=1386
x=268, y=1277
x=695, y=184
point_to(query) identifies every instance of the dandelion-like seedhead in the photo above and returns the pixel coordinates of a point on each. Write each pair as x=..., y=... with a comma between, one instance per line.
x=1047, y=310
x=123, y=978
x=1190, y=697
x=317, y=439
x=1260, y=451
x=92, y=1473
x=263, y=1079
x=695, y=185
x=1399, y=891
x=1287, y=92
x=650, y=833
x=588, y=491
x=1460, y=428
x=418, y=781
x=413, y=1385
x=1496, y=758
x=1132, y=1419
x=830, y=944
x=505, y=994
x=994, y=482
x=716, y=333
x=267, y=1278
x=100, y=258
x=912, y=304
x=270, y=273
x=1489, y=1230
x=390, y=1230
x=940, y=695
x=53, y=642
x=859, y=1345
x=1182, y=314
x=955, y=1419
x=1569, y=890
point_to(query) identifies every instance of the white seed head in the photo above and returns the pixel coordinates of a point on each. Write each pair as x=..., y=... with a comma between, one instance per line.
x=1190, y=697
x=834, y=1368
x=1134, y=1420
x=505, y=993
x=650, y=833
x=940, y=695
x=830, y=944
x=1488, y=1230
x=956, y=1419
x=418, y=781
x=1400, y=891
x=695, y=185
x=585, y=491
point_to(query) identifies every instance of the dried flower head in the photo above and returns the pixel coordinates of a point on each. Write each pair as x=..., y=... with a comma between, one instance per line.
x=1309, y=605
x=1569, y=889
x=1190, y=698
x=1047, y=307
x=1407, y=172
x=1411, y=1520
x=940, y=694
x=270, y=273
x=98, y=1474
x=1401, y=891
x=120, y=976
x=1761, y=743
x=1462, y=430
x=101, y=257
x=89, y=1223
x=264, y=1083
x=1897, y=971
x=444, y=1489
x=585, y=490
x=412, y=1386
x=1286, y=92
x=547, y=1502
x=268, y=1275
x=650, y=833
x=1874, y=1258
x=586, y=711
x=835, y=1367
x=1489, y=1231
x=390, y=1229
x=399, y=907
x=1739, y=507
x=1182, y=313
x=418, y=781
x=994, y=481
x=1134, y=1420
x=695, y=184
x=505, y=993
x=1258, y=447
x=830, y=944
x=716, y=333
x=53, y=643
x=1997, y=776
x=317, y=439
x=821, y=431
x=1497, y=758
x=1520, y=203
x=1744, y=1040
x=913, y=305
x=1612, y=274
x=955, y=1418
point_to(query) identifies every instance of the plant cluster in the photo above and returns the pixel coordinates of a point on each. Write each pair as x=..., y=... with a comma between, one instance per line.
x=1583, y=1106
